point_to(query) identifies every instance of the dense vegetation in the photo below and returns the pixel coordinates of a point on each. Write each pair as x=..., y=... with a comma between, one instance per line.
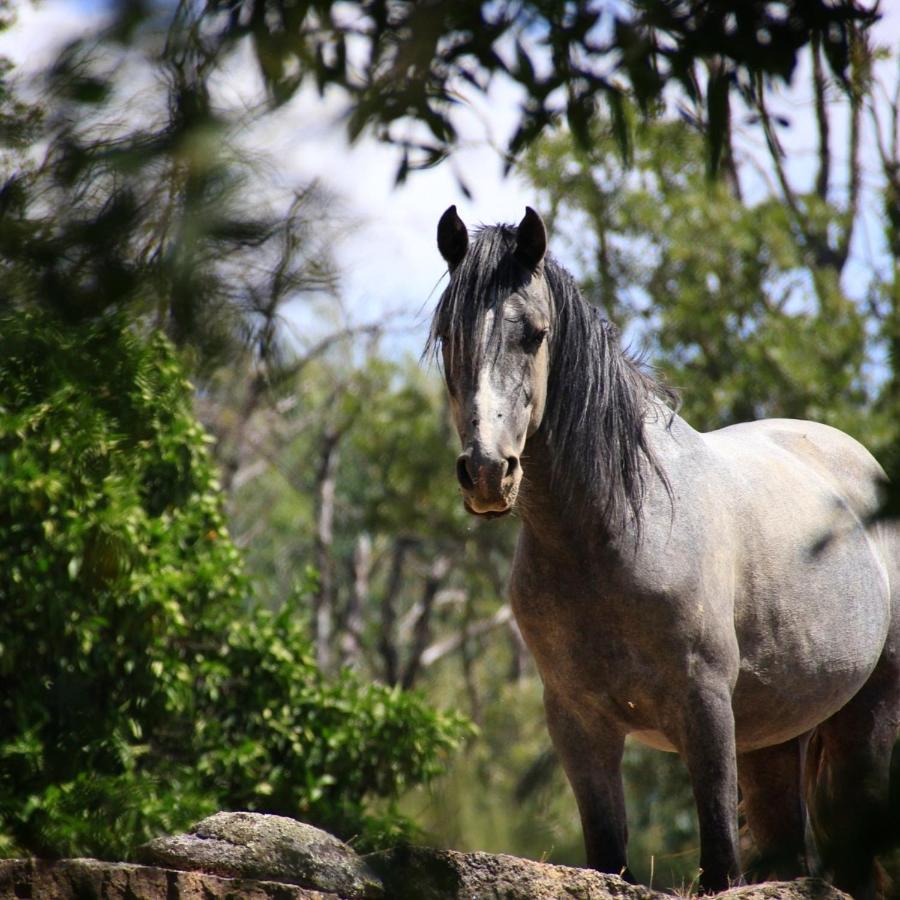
x=140, y=688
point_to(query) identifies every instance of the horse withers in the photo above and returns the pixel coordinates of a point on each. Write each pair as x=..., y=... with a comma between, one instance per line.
x=721, y=595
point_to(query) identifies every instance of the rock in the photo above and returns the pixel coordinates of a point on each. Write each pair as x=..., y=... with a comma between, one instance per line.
x=269, y=848
x=420, y=873
x=248, y=856
x=411, y=873
x=91, y=879
x=801, y=889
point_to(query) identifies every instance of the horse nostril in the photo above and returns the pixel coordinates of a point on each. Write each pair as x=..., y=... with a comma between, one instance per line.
x=462, y=473
x=512, y=463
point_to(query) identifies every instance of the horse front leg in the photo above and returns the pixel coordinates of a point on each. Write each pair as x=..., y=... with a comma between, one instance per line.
x=708, y=749
x=592, y=760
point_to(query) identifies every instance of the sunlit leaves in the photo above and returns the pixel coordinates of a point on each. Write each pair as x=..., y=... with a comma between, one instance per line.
x=138, y=688
x=734, y=303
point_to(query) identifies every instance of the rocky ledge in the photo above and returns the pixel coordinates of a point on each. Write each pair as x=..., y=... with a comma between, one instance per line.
x=247, y=855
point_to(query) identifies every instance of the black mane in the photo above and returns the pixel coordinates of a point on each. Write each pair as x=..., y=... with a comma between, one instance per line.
x=597, y=394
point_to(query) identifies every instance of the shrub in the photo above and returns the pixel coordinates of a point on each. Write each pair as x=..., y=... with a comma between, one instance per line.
x=139, y=686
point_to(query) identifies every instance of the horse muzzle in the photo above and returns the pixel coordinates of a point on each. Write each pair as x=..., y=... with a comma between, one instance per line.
x=489, y=484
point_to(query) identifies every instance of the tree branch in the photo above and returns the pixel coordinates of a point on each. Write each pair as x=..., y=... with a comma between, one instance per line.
x=822, y=123
x=293, y=369
x=859, y=81
x=351, y=644
x=422, y=627
x=440, y=649
x=776, y=152
x=519, y=651
x=324, y=599
x=387, y=643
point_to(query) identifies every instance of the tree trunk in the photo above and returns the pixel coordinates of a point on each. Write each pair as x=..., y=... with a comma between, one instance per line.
x=324, y=600
x=387, y=641
x=422, y=628
x=351, y=632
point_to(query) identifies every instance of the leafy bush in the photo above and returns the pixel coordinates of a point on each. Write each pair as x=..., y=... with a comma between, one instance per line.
x=138, y=689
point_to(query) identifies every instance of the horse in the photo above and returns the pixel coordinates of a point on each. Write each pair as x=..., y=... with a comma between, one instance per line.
x=729, y=596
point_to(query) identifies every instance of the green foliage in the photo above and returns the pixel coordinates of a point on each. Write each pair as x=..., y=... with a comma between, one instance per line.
x=396, y=456
x=399, y=457
x=286, y=740
x=137, y=692
x=563, y=57
x=731, y=301
x=125, y=188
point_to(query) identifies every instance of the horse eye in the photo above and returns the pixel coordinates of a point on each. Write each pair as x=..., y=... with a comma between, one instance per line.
x=533, y=338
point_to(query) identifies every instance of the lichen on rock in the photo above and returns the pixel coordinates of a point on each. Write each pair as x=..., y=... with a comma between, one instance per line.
x=275, y=848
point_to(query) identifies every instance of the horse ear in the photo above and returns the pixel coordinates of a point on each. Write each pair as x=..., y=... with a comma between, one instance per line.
x=452, y=237
x=531, y=239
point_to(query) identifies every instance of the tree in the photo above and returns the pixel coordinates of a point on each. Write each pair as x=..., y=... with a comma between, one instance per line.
x=754, y=319
x=403, y=66
x=139, y=689
x=126, y=188
x=347, y=465
x=741, y=321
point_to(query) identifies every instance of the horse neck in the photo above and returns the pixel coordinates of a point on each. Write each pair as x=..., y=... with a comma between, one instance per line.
x=548, y=514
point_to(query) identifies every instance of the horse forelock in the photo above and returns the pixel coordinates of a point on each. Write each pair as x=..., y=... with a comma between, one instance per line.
x=597, y=393
x=485, y=276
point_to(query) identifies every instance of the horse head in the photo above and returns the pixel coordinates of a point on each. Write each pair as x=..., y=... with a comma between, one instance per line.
x=492, y=326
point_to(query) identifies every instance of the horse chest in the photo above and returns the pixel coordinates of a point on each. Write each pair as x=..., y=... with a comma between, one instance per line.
x=598, y=647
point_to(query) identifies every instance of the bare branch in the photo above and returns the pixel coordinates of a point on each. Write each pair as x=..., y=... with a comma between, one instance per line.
x=352, y=624
x=422, y=628
x=444, y=597
x=247, y=473
x=895, y=116
x=520, y=657
x=387, y=641
x=860, y=75
x=324, y=599
x=822, y=122
x=776, y=151
x=443, y=648
x=295, y=367
x=887, y=145
x=231, y=463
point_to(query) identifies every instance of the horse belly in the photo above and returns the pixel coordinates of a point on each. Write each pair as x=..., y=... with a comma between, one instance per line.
x=809, y=638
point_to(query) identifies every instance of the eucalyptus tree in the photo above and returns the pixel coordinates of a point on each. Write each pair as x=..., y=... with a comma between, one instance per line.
x=403, y=66
x=751, y=307
x=142, y=685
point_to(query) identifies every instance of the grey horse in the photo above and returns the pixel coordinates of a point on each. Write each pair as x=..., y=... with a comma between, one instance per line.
x=721, y=595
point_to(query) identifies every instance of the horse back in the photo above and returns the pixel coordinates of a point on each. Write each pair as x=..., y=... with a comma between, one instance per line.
x=834, y=456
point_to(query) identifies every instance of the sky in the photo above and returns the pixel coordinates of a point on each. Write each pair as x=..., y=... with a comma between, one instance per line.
x=389, y=261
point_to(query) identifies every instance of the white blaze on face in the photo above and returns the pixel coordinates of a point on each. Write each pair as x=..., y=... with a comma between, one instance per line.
x=487, y=406
x=487, y=403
